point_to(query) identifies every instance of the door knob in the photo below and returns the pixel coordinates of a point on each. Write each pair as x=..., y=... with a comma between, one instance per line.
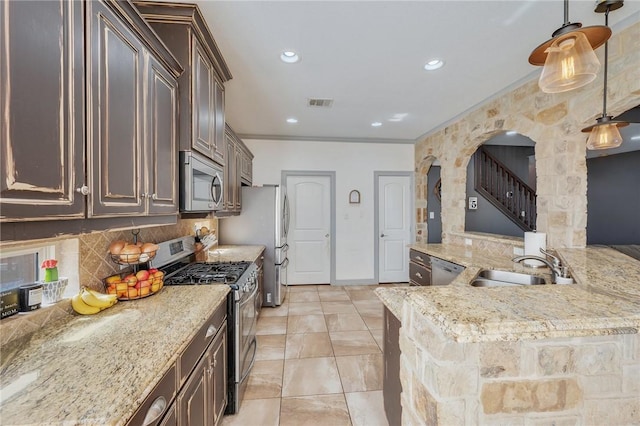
x=326, y=235
x=382, y=235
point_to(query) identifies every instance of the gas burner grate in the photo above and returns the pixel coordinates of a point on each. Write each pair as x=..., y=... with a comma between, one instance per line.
x=208, y=273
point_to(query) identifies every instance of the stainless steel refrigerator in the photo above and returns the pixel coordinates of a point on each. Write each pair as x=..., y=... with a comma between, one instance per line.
x=264, y=220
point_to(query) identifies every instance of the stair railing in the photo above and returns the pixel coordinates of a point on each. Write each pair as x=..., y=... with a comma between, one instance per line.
x=506, y=191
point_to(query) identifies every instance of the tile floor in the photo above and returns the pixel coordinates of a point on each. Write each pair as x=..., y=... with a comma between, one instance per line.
x=319, y=361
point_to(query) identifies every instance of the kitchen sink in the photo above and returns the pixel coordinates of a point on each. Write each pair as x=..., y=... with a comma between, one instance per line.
x=497, y=278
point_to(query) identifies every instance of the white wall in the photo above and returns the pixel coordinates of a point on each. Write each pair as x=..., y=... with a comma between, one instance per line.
x=354, y=164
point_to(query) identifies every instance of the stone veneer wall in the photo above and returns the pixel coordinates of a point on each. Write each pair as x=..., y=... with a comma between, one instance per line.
x=84, y=260
x=554, y=122
x=571, y=381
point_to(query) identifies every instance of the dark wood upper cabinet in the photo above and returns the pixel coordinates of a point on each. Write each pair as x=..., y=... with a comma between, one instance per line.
x=133, y=108
x=183, y=29
x=162, y=140
x=89, y=118
x=41, y=110
x=116, y=69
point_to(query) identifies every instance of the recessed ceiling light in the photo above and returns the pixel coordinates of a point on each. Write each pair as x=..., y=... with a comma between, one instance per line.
x=376, y=124
x=290, y=57
x=398, y=117
x=292, y=120
x=434, y=64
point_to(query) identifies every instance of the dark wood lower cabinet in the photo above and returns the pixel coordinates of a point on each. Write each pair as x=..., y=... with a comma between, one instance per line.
x=392, y=387
x=203, y=399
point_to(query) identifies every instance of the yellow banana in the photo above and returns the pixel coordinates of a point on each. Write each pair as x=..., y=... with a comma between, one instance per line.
x=98, y=300
x=82, y=308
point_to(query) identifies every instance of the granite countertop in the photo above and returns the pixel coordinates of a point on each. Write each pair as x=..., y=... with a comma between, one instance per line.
x=604, y=300
x=226, y=253
x=98, y=369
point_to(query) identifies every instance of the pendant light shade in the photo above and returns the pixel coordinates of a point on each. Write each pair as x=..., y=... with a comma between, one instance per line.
x=571, y=63
x=568, y=57
x=605, y=134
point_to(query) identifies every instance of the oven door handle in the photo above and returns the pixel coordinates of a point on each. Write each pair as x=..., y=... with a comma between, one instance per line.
x=254, y=343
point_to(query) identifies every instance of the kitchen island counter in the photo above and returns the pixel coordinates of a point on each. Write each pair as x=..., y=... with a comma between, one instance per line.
x=536, y=354
x=98, y=369
x=604, y=300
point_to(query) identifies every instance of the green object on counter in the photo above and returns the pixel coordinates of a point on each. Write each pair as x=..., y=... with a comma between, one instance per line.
x=50, y=275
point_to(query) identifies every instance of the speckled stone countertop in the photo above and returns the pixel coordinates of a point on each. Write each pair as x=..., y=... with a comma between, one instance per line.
x=234, y=253
x=98, y=369
x=604, y=300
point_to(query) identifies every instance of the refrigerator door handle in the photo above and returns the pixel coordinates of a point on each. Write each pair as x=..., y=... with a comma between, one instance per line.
x=285, y=215
x=285, y=263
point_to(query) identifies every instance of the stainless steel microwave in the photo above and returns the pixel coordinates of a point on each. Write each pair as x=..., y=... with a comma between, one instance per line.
x=201, y=188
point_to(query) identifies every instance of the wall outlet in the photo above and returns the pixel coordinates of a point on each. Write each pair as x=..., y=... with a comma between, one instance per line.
x=468, y=241
x=432, y=215
x=473, y=203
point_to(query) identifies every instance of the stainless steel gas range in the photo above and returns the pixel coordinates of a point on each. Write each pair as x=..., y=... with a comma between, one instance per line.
x=177, y=259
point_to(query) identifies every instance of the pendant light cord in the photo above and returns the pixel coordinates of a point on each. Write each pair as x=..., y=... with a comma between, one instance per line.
x=606, y=63
x=566, y=12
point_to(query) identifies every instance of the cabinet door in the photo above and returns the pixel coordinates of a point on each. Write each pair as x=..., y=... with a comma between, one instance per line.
x=220, y=147
x=116, y=70
x=218, y=363
x=192, y=401
x=230, y=175
x=237, y=187
x=161, y=159
x=41, y=110
x=247, y=168
x=392, y=386
x=203, y=102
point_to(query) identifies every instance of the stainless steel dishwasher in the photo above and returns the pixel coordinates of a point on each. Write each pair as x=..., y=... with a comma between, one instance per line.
x=443, y=272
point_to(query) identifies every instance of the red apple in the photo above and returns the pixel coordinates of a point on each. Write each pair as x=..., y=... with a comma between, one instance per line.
x=130, y=279
x=142, y=275
x=153, y=270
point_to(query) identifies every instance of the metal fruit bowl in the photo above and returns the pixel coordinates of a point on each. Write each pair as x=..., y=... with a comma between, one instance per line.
x=132, y=259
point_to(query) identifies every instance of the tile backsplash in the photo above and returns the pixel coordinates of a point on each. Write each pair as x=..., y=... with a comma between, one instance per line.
x=95, y=263
x=84, y=260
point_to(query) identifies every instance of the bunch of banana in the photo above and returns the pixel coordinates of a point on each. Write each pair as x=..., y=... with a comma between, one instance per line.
x=89, y=302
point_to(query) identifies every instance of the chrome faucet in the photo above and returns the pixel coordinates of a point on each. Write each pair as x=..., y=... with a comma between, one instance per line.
x=556, y=270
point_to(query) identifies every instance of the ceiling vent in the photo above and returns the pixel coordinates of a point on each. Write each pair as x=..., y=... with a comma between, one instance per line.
x=319, y=103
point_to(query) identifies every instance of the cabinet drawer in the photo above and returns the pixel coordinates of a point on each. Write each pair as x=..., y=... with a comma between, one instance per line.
x=158, y=401
x=421, y=258
x=199, y=343
x=419, y=274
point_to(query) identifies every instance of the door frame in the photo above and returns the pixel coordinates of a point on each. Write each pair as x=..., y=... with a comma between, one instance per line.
x=332, y=207
x=376, y=215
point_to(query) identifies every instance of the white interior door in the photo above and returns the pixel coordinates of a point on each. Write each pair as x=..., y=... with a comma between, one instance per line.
x=394, y=228
x=309, y=236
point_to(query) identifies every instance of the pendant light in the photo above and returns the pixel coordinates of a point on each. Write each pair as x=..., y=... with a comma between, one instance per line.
x=605, y=134
x=568, y=57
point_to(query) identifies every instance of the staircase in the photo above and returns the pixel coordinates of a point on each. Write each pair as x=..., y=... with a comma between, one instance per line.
x=506, y=191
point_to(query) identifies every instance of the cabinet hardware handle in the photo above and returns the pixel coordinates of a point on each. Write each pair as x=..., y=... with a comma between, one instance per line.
x=155, y=411
x=154, y=196
x=143, y=195
x=84, y=190
x=420, y=258
x=419, y=275
x=210, y=331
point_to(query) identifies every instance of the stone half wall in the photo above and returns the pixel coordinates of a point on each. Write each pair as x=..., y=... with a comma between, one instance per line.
x=553, y=122
x=569, y=381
